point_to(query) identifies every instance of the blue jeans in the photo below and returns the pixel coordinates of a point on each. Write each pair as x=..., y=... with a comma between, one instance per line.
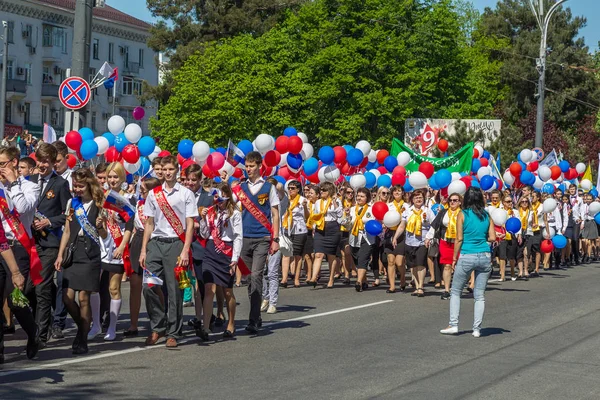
x=270, y=289
x=467, y=263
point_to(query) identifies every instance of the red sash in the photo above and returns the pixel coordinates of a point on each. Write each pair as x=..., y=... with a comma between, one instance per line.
x=252, y=208
x=223, y=247
x=16, y=226
x=170, y=215
x=115, y=232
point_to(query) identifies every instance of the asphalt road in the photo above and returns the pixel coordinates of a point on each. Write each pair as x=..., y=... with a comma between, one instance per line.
x=540, y=341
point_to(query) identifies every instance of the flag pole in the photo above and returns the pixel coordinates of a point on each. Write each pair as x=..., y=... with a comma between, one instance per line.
x=114, y=97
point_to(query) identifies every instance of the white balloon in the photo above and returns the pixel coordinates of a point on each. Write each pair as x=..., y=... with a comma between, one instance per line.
x=116, y=124
x=534, y=156
x=197, y=161
x=526, y=155
x=456, y=176
x=201, y=150
x=331, y=173
x=594, y=208
x=403, y=158
x=585, y=184
x=372, y=156
x=479, y=149
x=364, y=146
x=458, y=187
x=154, y=153
x=307, y=151
x=549, y=205
x=499, y=216
x=544, y=173
x=509, y=179
x=133, y=133
x=102, y=143
x=303, y=136
x=580, y=167
x=375, y=172
x=417, y=180
x=392, y=218
x=283, y=161
x=264, y=143
x=548, y=235
x=132, y=168
x=358, y=181
x=538, y=184
x=483, y=171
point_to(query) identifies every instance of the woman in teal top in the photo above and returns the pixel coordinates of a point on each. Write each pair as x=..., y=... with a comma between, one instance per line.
x=474, y=232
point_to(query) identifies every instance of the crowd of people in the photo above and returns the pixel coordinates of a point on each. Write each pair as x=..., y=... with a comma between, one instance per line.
x=68, y=245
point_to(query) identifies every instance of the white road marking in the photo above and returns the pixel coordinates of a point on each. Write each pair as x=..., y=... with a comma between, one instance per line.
x=187, y=340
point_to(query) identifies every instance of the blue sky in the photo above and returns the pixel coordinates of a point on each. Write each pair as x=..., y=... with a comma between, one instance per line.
x=587, y=8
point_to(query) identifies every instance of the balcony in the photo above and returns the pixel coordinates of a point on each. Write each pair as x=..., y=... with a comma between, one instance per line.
x=49, y=90
x=132, y=68
x=16, y=89
x=52, y=54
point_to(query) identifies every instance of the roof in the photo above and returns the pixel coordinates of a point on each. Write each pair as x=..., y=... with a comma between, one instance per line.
x=106, y=12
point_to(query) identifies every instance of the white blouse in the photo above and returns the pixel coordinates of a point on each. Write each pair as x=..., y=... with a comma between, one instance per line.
x=355, y=241
x=334, y=213
x=298, y=222
x=230, y=231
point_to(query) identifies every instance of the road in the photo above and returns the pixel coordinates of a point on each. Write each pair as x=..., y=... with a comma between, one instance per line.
x=540, y=341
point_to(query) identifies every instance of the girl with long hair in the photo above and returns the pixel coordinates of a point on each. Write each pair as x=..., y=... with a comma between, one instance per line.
x=383, y=195
x=347, y=194
x=528, y=220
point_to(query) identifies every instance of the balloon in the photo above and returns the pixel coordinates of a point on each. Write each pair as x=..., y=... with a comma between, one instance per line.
x=392, y=218
x=303, y=136
x=185, y=148
x=533, y=166
x=272, y=158
x=88, y=149
x=417, y=180
x=102, y=143
x=546, y=246
x=307, y=151
x=144, y=167
x=364, y=146
x=265, y=143
x=294, y=160
x=73, y=140
x=597, y=218
x=403, y=158
x=443, y=145
x=559, y=241
x=475, y=153
x=487, y=182
x=515, y=169
x=138, y=113
x=499, y=216
x=537, y=183
x=549, y=205
x=133, y=133
x=358, y=181
x=132, y=168
x=390, y=163
x=475, y=165
x=131, y=153
x=331, y=173
x=443, y=178
x=594, y=208
x=163, y=153
x=526, y=155
x=71, y=160
x=215, y=161
x=484, y=162
x=571, y=174
x=458, y=187
x=382, y=155
x=580, y=168
x=585, y=184
x=593, y=192
x=483, y=171
x=290, y=131
x=86, y=134
x=432, y=183
x=548, y=188
x=339, y=154
x=398, y=179
x=112, y=155
x=384, y=181
x=110, y=138
x=116, y=124
x=281, y=144
x=564, y=165
x=371, y=180
x=544, y=173
x=527, y=178
x=311, y=166
x=355, y=157
x=555, y=172
x=245, y=146
x=373, y=227
x=295, y=145
x=513, y=225
x=121, y=141
x=427, y=169
x=548, y=235
x=479, y=149
x=146, y=145
x=201, y=150
x=379, y=209
x=155, y=153
x=372, y=157
x=327, y=154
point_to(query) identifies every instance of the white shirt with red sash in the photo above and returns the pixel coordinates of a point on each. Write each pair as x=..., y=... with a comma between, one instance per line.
x=23, y=197
x=183, y=203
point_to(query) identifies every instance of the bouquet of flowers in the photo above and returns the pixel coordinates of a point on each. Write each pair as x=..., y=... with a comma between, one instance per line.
x=18, y=298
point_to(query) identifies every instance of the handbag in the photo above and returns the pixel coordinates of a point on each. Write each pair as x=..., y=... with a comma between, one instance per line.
x=286, y=246
x=434, y=248
x=67, y=260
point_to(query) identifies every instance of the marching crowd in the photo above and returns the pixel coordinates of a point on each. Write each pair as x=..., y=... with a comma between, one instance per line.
x=67, y=243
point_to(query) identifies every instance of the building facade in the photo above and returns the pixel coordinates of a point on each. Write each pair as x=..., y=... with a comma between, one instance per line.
x=40, y=37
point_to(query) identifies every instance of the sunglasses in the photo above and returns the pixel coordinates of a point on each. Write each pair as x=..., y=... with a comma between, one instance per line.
x=454, y=200
x=508, y=201
x=292, y=188
x=385, y=193
x=350, y=192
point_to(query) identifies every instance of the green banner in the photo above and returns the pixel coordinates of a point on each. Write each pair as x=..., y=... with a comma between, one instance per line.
x=457, y=162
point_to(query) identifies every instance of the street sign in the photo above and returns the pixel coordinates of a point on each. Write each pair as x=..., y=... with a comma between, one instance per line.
x=74, y=93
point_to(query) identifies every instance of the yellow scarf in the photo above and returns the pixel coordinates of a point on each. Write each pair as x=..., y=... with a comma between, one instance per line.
x=535, y=207
x=524, y=217
x=311, y=207
x=497, y=204
x=319, y=219
x=346, y=204
x=359, y=225
x=288, y=218
x=415, y=224
x=452, y=218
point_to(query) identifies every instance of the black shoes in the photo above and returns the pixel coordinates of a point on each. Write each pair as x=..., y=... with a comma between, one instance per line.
x=82, y=348
x=202, y=334
x=130, y=334
x=445, y=296
x=251, y=328
x=9, y=330
x=227, y=334
x=33, y=345
x=57, y=333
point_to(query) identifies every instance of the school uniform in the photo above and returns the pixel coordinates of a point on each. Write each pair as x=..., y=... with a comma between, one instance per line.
x=203, y=200
x=416, y=252
x=294, y=226
x=328, y=234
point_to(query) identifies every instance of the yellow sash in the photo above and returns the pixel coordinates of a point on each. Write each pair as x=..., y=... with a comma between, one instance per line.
x=497, y=205
x=524, y=218
x=311, y=208
x=359, y=225
x=535, y=207
x=319, y=219
x=399, y=207
x=288, y=218
x=415, y=224
x=451, y=229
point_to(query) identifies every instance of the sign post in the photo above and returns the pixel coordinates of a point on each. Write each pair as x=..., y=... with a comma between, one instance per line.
x=73, y=93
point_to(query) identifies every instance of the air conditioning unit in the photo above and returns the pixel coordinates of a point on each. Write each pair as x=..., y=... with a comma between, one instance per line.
x=32, y=50
x=105, y=115
x=25, y=34
x=20, y=71
x=57, y=70
x=21, y=108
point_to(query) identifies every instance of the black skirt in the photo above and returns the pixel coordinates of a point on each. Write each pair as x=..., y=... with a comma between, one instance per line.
x=215, y=267
x=298, y=242
x=114, y=268
x=84, y=273
x=309, y=244
x=327, y=241
x=135, y=248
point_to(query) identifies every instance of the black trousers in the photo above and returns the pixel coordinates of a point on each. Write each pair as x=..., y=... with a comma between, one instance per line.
x=45, y=291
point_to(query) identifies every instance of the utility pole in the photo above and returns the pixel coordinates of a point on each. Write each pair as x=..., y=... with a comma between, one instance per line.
x=543, y=20
x=4, y=69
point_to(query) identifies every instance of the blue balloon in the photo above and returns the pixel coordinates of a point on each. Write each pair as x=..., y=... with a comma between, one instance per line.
x=129, y=178
x=185, y=148
x=373, y=227
x=326, y=154
x=564, y=165
x=290, y=131
x=294, y=160
x=436, y=208
x=527, y=178
x=433, y=183
x=110, y=137
x=487, y=182
x=475, y=183
x=222, y=150
x=562, y=187
x=355, y=157
x=232, y=179
x=513, y=225
x=211, y=150
x=245, y=146
x=371, y=179
x=347, y=147
x=280, y=179
x=384, y=181
x=370, y=166
x=120, y=142
x=88, y=149
x=559, y=241
x=86, y=134
x=390, y=163
x=486, y=154
x=146, y=145
x=407, y=187
x=594, y=193
x=523, y=165
x=443, y=178
x=144, y=166
x=475, y=165
x=217, y=179
x=597, y=218
x=548, y=188
x=311, y=166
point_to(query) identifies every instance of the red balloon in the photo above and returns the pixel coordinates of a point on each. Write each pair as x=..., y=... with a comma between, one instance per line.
x=484, y=162
x=345, y=169
x=164, y=153
x=364, y=163
x=281, y=144
x=180, y=159
x=73, y=140
x=533, y=166
x=572, y=173
x=555, y=172
x=71, y=160
x=443, y=145
x=379, y=209
x=515, y=169
x=238, y=173
x=215, y=161
x=32, y=156
x=187, y=163
x=295, y=144
x=427, y=169
x=398, y=179
x=381, y=156
x=467, y=181
x=399, y=170
x=112, y=154
x=207, y=172
x=266, y=171
x=546, y=246
x=272, y=158
x=499, y=184
x=340, y=154
x=383, y=170
x=476, y=153
x=131, y=153
x=314, y=178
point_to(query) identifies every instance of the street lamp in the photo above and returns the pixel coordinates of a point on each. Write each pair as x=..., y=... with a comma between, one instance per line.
x=4, y=69
x=543, y=20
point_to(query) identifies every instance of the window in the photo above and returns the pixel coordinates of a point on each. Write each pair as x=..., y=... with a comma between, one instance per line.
x=141, y=56
x=9, y=69
x=28, y=70
x=44, y=114
x=64, y=41
x=94, y=115
x=11, y=31
x=47, y=36
x=95, y=48
x=137, y=87
x=111, y=52
x=27, y=117
x=126, y=53
x=28, y=34
x=8, y=112
x=46, y=77
x=127, y=89
x=63, y=74
x=92, y=76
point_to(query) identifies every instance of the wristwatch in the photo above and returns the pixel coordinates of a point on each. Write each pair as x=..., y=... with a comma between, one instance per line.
x=276, y=240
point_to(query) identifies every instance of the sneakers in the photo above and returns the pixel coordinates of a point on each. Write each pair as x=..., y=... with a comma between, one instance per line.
x=445, y=296
x=451, y=330
x=272, y=309
x=476, y=333
x=264, y=306
x=513, y=278
x=95, y=331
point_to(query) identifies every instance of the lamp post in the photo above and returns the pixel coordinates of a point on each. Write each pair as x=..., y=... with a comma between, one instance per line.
x=4, y=69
